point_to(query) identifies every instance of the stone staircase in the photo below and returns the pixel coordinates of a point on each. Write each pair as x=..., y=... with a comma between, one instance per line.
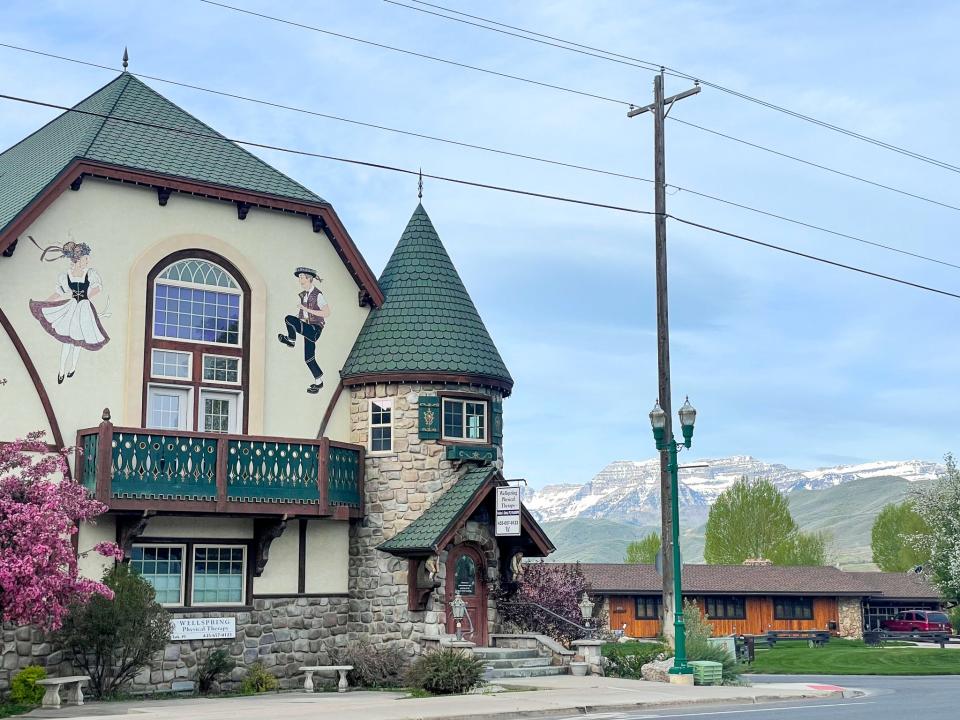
x=511, y=663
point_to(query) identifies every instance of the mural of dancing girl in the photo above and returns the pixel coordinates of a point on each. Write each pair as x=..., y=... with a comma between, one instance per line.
x=68, y=314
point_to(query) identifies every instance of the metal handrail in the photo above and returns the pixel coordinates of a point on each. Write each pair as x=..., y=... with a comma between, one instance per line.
x=586, y=628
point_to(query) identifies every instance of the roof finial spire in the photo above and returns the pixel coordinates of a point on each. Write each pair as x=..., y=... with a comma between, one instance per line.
x=126, y=58
x=420, y=185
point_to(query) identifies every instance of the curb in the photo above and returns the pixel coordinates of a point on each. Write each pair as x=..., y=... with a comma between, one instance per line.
x=652, y=706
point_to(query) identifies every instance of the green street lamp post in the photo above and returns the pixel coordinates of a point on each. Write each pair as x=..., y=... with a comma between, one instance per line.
x=658, y=419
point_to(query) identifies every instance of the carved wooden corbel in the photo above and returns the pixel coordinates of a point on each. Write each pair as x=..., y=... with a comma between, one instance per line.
x=130, y=529
x=264, y=533
x=242, y=209
x=423, y=577
x=163, y=195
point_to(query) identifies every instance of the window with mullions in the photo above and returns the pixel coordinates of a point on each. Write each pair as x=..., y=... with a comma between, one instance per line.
x=793, y=608
x=465, y=419
x=726, y=608
x=381, y=426
x=162, y=567
x=219, y=574
x=198, y=301
x=647, y=607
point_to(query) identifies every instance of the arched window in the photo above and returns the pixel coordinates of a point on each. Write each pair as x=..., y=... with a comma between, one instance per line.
x=195, y=373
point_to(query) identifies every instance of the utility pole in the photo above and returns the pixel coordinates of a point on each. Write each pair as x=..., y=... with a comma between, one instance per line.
x=663, y=335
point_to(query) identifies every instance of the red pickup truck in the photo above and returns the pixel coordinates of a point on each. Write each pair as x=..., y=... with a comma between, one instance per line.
x=918, y=621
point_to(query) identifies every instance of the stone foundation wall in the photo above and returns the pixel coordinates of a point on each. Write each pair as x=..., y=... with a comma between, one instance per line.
x=399, y=487
x=282, y=633
x=850, y=620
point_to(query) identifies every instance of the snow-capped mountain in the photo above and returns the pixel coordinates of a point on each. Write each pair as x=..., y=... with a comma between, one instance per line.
x=630, y=490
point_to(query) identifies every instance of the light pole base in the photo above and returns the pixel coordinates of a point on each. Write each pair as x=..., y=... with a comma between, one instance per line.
x=684, y=679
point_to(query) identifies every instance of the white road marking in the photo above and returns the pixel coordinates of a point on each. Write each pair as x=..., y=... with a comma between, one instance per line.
x=762, y=709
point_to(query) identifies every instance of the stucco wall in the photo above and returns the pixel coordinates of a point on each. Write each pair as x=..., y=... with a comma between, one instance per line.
x=328, y=556
x=128, y=232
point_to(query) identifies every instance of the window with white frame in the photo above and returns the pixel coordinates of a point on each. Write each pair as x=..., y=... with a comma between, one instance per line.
x=170, y=364
x=221, y=369
x=218, y=572
x=465, y=419
x=161, y=566
x=381, y=425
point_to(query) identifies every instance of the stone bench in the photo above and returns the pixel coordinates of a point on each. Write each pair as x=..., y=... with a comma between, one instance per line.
x=74, y=683
x=310, y=670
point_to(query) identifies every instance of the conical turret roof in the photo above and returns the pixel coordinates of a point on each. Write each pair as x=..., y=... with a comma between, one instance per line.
x=428, y=327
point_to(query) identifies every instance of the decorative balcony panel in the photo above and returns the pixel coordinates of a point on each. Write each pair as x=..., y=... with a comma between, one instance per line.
x=132, y=469
x=148, y=464
x=345, y=475
x=264, y=471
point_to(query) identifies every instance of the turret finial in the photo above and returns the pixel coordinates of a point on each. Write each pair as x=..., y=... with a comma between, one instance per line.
x=126, y=59
x=420, y=185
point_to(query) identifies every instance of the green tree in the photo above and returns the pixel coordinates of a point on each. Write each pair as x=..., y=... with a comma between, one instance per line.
x=895, y=538
x=643, y=551
x=110, y=640
x=751, y=519
x=938, y=503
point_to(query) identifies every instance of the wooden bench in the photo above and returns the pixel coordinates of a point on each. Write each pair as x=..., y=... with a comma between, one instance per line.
x=814, y=638
x=310, y=670
x=74, y=683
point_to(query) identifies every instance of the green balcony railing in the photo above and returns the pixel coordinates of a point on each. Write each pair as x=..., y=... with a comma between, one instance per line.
x=135, y=468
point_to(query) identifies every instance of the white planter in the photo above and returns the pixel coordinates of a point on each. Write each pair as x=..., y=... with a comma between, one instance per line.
x=579, y=669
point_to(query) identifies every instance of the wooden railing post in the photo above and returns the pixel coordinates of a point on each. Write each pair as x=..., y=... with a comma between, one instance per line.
x=323, y=477
x=104, y=458
x=223, y=447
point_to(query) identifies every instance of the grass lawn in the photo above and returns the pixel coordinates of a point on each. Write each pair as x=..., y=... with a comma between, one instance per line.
x=848, y=657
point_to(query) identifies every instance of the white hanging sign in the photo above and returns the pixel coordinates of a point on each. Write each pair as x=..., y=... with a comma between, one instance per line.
x=508, y=511
x=203, y=628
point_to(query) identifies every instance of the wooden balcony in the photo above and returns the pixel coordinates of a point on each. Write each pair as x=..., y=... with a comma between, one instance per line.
x=137, y=469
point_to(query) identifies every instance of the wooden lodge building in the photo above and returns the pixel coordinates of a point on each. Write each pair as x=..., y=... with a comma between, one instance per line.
x=296, y=453
x=752, y=599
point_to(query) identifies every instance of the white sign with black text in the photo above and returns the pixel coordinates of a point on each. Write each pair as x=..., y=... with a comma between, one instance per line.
x=508, y=511
x=203, y=628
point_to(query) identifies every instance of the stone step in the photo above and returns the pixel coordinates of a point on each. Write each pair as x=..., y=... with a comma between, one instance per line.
x=525, y=672
x=517, y=662
x=504, y=653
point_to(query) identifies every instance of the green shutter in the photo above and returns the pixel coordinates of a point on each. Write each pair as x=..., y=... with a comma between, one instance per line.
x=496, y=422
x=429, y=417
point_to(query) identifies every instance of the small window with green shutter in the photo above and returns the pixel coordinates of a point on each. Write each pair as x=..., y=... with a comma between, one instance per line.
x=465, y=420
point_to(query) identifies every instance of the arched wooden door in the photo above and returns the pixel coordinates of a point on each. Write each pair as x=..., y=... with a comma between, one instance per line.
x=467, y=575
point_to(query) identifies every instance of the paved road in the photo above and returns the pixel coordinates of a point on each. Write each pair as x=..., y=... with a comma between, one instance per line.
x=887, y=698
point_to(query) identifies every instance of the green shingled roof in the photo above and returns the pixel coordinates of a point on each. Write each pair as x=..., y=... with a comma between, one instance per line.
x=424, y=533
x=427, y=323
x=28, y=167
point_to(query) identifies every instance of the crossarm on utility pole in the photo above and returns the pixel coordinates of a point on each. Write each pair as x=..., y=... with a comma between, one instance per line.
x=633, y=112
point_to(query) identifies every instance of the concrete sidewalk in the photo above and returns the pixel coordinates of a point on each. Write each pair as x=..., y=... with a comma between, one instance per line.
x=541, y=697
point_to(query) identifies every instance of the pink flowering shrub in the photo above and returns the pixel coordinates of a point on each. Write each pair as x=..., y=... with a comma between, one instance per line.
x=556, y=587
x=38, y=517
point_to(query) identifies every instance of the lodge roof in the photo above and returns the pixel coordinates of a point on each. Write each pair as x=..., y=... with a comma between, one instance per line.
x=758, y=580
x=427, y=326
x=144, y=145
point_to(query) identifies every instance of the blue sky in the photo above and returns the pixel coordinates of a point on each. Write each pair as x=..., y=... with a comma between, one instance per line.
x=785, y=359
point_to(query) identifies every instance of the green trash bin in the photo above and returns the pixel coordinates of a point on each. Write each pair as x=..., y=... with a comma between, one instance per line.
x=707, y=672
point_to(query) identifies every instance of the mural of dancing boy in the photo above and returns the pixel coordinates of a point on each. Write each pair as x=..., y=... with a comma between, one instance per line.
x=309, y=321
x=68, y=314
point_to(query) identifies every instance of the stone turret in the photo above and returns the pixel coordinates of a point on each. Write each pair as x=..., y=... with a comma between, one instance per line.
x=425, y=359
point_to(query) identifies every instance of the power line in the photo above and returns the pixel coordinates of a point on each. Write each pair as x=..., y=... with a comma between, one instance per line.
x=339, y=118
x=500, y=151
x=814, y=257
x=469, y=183
x=413, y=53
x=648, y=65
x=826, y=168
x=841, y=173
x=322, y=156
